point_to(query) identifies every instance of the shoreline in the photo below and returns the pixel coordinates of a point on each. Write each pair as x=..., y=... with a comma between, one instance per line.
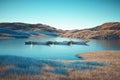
x=110, y=72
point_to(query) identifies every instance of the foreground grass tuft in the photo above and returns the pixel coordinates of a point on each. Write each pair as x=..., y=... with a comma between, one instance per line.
x=30, y=66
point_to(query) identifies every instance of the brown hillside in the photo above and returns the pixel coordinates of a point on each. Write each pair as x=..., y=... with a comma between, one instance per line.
x=108, y=31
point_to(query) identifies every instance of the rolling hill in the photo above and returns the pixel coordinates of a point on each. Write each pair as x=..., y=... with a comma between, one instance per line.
x=107, y=31
x=24, y=30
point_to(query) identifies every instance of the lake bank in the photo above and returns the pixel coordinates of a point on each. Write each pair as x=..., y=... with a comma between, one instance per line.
x=64, y=69
x=110, y=72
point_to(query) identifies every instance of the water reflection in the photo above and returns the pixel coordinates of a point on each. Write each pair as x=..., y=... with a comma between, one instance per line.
x=31, y=45
x=111, y=44
x=18, y=47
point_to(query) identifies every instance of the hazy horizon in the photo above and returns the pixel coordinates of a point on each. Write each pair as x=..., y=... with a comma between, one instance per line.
x=61, y=14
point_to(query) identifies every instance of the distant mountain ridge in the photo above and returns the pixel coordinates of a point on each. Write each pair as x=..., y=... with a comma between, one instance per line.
x=108, y=31
x=24, y=30
x=108, y=26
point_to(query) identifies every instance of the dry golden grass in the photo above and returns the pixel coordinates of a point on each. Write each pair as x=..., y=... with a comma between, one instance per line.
x=88, y=34
x=110, y=72
x=109, y=30
x=4, y=68
x=47, y=76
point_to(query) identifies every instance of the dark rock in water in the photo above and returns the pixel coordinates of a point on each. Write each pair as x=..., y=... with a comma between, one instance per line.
x=49, y=42
x=57, y=43
x=80, y=57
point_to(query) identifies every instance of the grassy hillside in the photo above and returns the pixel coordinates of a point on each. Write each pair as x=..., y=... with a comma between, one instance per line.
x=108, y=31
x=24, y=30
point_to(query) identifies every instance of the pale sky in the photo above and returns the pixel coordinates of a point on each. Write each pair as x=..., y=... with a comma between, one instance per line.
x=62, y=14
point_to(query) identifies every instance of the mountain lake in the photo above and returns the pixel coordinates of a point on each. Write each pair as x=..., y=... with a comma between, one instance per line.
x=63, y=52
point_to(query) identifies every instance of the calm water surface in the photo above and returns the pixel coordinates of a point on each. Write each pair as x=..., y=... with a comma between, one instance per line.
x=18, y=47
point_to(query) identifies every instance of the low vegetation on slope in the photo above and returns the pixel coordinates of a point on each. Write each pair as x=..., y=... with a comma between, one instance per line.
x=24, y=30
x=108, y=31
